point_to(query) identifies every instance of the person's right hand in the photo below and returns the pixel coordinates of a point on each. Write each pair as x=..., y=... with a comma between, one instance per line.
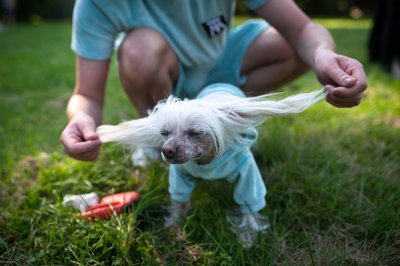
x=80, y=139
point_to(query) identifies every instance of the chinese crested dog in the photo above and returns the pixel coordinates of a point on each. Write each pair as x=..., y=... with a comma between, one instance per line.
x=210, y=138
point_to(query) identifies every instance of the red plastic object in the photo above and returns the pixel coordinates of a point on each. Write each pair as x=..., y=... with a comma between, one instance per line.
x=110, y=204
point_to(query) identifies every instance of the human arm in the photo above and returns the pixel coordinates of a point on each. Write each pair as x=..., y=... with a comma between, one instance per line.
x=343, y=77
x=84, y=110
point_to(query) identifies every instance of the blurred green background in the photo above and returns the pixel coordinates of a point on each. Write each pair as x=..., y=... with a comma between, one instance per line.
x=61, y=9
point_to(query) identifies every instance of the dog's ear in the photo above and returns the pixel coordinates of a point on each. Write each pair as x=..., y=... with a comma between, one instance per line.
x=255, y=110
x=131, y=133
x=144, y=131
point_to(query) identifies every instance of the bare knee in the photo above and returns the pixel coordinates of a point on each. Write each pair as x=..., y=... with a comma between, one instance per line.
x=148, y=67
x=270, y=62
x=270, y=48
x=146, y=51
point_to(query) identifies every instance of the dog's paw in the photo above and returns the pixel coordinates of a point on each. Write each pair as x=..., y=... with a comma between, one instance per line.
x=176, y=214
x=247, y=226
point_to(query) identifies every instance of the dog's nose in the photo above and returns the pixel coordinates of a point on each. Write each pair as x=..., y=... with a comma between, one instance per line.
x=169, y=151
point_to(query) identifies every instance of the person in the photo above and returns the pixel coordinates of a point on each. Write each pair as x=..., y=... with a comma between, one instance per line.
x=8, y=11
x=384, y=39
x=181, y=46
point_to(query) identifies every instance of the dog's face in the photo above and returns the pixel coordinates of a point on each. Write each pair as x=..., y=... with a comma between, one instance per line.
x=186, y=143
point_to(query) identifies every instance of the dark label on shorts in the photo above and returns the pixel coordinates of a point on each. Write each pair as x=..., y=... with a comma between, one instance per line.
x=215, y=26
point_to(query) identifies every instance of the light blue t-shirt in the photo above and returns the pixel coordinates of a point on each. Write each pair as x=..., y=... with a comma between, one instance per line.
x=196, y=29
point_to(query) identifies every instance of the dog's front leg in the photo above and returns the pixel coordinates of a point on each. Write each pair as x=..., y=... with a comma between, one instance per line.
x=249, y=194
x=176, y=215
x=180, y=188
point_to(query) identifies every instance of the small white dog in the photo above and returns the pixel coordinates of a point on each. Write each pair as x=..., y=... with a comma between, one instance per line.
x=210, y=137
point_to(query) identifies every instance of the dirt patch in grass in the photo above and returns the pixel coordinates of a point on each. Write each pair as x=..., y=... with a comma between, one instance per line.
x=392, y=120
x=333, y=247
x=25, y=175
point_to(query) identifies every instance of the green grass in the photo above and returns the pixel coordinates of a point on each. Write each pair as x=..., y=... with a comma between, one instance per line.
x=332, y=174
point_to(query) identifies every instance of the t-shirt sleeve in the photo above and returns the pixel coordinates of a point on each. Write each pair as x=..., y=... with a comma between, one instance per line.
x=253, y=4
x=92, y=32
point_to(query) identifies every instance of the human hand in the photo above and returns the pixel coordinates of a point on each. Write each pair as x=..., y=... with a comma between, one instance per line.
x=80, y=139
x=344, y=78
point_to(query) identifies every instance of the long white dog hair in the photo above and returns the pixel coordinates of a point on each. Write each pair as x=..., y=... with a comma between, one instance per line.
x=222, y=115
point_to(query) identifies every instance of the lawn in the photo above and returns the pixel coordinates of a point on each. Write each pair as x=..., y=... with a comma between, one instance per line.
x=332, y=174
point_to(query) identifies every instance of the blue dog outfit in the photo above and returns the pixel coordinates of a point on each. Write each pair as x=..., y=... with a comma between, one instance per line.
x=236, y=164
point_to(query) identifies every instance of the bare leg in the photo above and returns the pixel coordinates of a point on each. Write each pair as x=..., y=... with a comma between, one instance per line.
x=148, y=68
x=269, y=63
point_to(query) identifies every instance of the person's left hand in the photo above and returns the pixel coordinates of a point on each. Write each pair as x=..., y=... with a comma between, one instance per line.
x=343, y=77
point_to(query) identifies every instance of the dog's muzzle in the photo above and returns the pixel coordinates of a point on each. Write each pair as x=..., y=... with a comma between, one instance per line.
x=177, y=155
x=169, y=152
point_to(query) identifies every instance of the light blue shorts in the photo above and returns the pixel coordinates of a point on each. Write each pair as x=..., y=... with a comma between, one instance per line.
x=227, y=68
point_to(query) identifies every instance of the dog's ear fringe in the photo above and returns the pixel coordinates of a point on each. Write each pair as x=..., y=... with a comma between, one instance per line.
x=255, y=110
x=131, y=133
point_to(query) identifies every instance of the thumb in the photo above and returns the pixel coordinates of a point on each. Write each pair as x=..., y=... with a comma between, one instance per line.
x=343, y=79
x=89, y=132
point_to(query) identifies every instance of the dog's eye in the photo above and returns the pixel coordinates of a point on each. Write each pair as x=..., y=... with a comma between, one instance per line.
x=194, y=134
x=165, y=133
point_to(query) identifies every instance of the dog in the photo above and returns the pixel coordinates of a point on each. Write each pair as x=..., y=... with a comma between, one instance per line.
x=210, y=137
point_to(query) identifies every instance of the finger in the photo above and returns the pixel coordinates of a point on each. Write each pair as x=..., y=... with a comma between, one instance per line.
x=356, y=71
x=69, y=141
x=344, y=93
x=355, y=98
x=88, y=156
x=89, y=132
x=79, y=148
x=339, y=102
x=340, y=77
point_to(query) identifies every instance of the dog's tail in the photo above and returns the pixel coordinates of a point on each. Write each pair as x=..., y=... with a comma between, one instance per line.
x=131, y=133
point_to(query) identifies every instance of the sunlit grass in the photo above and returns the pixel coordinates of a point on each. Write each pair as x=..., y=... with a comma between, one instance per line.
x=344, y=23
